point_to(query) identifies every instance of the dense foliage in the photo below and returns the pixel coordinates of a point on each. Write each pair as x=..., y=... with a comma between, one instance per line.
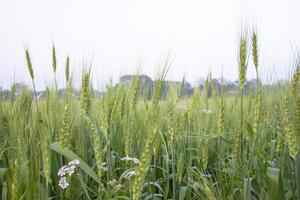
x=209, y=146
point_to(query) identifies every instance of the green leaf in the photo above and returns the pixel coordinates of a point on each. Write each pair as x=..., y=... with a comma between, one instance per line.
x=154, y=184
x=249, y=189
x=274, y=184
x=249, y=129
x=298, y=174
x=4, y=191
x=23, y=168
x=153, y=196
x=2, y=172
x=72, y=156
x=182, y=193
x=84, y=186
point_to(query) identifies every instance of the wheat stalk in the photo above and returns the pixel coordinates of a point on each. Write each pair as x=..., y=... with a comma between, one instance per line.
x=290, y=136
x=242, y=60
x=255, y=50
x=64, y=136
x=143, y=166
x=84, y=97
x=30, y=69
x=67, y=71
x=96, y=144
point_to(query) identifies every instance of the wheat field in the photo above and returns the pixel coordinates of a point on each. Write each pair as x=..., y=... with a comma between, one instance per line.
x=127, y=144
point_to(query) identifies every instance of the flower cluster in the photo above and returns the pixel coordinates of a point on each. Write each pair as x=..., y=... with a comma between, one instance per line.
x=127, y=158
x=207, y=111
x=66, y=170
x=129, y=174
x=104, y=167
x=114, y=184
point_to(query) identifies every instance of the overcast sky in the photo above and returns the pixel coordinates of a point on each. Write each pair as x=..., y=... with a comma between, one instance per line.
x=116, y=35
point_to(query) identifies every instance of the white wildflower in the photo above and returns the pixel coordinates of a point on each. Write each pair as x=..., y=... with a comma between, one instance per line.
x=73, y=162
x=66, y=170
x=70, y=170
x=104, y=167
x=207, y=175
x=127, y=158
x=115, y=184
x=135, y=160
x=207, y=111
x=62, y=171
x=129, y=174
x=63, y=183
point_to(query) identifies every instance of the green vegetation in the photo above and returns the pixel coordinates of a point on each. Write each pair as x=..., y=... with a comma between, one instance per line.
x=210, y=146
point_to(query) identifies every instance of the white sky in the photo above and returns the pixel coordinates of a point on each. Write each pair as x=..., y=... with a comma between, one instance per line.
x=201, y=35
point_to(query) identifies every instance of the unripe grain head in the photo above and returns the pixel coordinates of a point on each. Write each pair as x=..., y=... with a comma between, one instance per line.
x=29, y=65
x=53, y=59
x=242, y=60
x=67, y=69
x=255, y=50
